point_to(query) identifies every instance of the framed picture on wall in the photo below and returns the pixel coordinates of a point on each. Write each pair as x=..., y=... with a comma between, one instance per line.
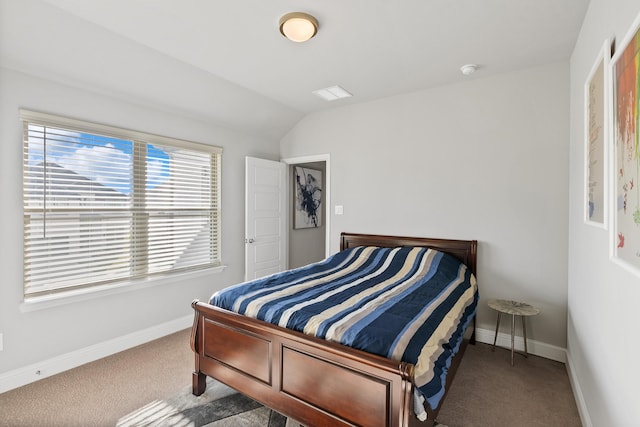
x=596, y=94
x=307, y=197
x=625, y=230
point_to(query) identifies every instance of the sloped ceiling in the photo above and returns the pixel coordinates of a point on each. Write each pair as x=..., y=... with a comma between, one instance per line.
x=225, y=61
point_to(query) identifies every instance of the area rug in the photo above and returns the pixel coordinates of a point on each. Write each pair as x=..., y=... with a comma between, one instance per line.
x=218, y=406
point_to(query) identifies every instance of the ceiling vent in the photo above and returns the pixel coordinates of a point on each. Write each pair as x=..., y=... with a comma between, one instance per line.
x=332, y=93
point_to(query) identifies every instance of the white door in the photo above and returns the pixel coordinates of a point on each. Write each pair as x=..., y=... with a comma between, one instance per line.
x=265, y=217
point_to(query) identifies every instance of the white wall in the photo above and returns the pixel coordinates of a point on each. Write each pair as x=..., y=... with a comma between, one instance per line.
x=33, y=336
x=602, y=333
x=485, y=159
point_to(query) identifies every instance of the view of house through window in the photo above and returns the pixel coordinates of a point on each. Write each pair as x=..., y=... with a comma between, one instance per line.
x=104, y=205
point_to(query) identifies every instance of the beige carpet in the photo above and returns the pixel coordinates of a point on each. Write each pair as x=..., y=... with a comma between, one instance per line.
x=487, y=391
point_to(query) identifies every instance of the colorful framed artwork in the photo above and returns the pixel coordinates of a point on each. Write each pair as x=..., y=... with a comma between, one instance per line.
x=308, y=197
x=625, y=230
x=596, y=94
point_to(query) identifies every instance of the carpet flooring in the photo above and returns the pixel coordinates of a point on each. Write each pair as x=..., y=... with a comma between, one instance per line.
x=124, y=390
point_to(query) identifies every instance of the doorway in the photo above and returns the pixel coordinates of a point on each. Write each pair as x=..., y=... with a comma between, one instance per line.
x=309, y=241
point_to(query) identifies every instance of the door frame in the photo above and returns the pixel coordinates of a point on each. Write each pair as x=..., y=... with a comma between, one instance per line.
x=326, y=158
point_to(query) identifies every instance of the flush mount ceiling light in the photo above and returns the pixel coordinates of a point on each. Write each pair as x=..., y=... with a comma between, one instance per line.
x=298, y=26
x=468, y=69
x=332, y=93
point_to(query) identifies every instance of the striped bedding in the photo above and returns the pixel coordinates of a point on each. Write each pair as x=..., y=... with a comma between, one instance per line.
x=406, y=303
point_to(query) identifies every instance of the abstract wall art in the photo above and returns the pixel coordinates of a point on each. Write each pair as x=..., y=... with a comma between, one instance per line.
x=625, y=234
x=308, y=197
x=596, y=139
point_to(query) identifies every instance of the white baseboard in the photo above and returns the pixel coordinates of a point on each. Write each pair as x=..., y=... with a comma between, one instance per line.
x=537, y=348
x=583, y=410
x=46, y=368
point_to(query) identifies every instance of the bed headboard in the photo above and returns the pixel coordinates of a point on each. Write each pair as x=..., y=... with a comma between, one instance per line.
x=465, y=250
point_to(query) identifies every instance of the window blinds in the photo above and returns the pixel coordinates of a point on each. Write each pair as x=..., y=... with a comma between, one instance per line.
x=104, y=205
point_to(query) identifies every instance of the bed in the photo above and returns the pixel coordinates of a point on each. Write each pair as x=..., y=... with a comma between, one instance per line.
x=320, y=382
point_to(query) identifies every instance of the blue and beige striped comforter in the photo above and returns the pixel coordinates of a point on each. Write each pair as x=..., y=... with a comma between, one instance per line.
x=407, y=303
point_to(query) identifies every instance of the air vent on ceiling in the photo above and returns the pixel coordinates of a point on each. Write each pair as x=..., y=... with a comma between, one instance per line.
x=332, y=93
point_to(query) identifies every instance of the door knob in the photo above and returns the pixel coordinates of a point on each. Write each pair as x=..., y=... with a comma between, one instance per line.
x=249, y=240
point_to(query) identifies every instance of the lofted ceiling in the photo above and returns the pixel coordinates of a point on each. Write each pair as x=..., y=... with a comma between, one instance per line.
x=226, y=60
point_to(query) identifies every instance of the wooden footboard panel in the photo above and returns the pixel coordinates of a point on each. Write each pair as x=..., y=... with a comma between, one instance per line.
x=313, y=381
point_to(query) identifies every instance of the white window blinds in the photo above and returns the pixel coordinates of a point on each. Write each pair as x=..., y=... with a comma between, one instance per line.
x=104, y=205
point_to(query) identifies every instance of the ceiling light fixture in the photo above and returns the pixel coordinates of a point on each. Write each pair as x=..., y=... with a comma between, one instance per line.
x=298, y=26
x=468, y=69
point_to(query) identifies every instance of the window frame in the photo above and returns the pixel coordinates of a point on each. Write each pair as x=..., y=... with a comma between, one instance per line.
x=137, y=162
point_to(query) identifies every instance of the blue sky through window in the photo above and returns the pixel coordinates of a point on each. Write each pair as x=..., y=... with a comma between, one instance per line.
x=157, y=166
x=102, y=159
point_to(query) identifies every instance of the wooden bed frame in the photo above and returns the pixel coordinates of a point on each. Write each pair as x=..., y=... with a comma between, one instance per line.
x=315, y=382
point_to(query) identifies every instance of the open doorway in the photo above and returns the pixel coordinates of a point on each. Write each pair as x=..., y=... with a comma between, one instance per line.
x=308, y=229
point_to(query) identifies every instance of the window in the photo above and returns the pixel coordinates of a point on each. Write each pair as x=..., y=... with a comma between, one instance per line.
x=104, y=205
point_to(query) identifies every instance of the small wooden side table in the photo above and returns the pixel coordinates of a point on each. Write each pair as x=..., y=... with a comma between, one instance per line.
x=514, y=308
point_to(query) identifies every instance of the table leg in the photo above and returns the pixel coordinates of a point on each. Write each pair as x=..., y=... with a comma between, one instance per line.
x=495, y=338
x=513, y=336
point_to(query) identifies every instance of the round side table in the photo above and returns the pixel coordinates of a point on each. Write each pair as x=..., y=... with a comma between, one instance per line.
x=514, y=308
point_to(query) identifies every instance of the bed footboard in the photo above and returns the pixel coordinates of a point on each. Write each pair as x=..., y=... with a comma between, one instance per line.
x=310, y=380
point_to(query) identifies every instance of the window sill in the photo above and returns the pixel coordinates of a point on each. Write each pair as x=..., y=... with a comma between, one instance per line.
x=71, y=297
